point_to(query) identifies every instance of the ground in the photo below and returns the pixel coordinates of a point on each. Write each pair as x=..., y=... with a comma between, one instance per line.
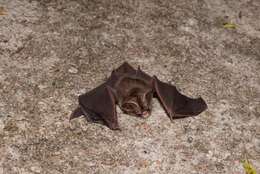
x=51, y=51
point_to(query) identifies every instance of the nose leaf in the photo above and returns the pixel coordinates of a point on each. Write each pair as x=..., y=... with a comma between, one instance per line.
x=145, y=114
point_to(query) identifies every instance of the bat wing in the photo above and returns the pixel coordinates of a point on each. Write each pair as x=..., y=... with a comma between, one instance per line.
x=176, y=104
x=99, y=103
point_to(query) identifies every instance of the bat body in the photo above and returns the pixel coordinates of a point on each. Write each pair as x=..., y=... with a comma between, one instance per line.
x=133, y=91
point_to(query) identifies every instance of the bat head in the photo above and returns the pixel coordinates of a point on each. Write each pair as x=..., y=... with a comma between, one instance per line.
x=137, y=103
x=135, y=97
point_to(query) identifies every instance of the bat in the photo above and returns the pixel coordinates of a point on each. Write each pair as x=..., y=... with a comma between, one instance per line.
x=132, y=90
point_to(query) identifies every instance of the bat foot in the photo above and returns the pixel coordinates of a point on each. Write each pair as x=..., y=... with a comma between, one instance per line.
x=114, y=127
x=117, y=129
x=171, y=119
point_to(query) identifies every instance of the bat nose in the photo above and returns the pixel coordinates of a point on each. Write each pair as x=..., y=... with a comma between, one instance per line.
x=145, y=114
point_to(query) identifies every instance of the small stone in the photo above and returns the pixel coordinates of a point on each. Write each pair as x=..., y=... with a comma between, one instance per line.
x=42, y=86
x=190, y=139
x=220, y=166
x=1, y=125
x=11, y=127
x=36, y=169
x=143, y=164
x=257, y=143
x=73, y=70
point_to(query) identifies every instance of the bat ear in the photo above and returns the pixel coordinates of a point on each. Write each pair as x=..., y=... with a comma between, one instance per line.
x=176, y=104
x=142, y=75
x=125, y=68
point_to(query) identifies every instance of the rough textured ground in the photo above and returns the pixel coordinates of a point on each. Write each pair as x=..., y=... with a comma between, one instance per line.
x=53, y=50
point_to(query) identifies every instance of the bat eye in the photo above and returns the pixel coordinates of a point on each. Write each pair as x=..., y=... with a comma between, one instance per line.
x=129, y=106
x=148, y=95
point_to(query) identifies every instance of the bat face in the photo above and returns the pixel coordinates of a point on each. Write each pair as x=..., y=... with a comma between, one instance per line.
x=137, y=104
x=135, y=97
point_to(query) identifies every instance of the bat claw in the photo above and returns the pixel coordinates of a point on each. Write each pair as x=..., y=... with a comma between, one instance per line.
x=115, y=128
x=76, y=113
x=171, y=118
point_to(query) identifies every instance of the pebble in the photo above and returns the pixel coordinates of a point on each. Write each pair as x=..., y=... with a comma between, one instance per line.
x=36, y=169
x=257, y=143
x=73, y=70
x=190, y=139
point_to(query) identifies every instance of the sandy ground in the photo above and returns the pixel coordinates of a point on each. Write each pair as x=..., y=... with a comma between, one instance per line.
x=51, y=51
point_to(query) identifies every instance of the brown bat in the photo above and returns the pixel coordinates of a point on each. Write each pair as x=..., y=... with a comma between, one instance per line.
x=133, y=91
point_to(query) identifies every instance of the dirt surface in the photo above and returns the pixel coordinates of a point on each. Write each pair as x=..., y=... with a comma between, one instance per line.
x=51, y=51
